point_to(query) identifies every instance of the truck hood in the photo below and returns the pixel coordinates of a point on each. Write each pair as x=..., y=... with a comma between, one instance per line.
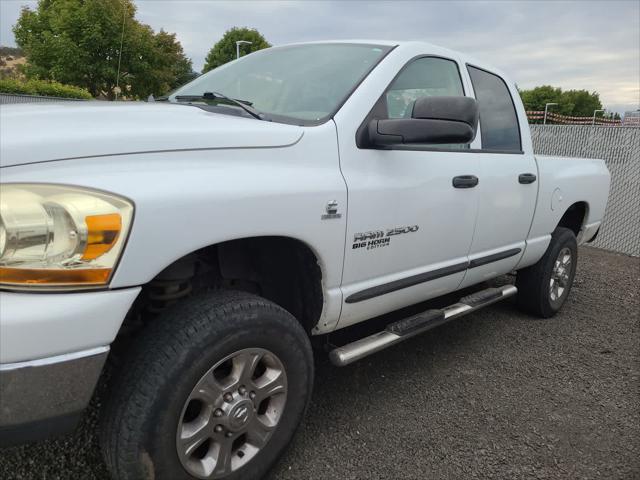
x=59, y=131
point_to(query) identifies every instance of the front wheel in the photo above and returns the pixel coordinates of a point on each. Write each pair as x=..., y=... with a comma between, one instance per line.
x=544, y=287
x=215, y=390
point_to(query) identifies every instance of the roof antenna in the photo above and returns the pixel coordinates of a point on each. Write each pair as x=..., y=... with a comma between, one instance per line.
x=124, y=13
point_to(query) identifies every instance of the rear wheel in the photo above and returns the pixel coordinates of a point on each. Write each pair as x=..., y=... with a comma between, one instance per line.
x=544, y=287
x=214, y=390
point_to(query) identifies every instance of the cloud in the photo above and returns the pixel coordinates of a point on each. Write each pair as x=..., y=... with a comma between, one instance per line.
x=591, y=45
x=9, y=12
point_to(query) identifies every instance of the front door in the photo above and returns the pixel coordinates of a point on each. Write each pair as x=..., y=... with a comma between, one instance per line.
x=409, y=229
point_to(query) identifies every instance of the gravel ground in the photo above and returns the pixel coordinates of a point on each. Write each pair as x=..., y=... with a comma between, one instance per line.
x=496, y=394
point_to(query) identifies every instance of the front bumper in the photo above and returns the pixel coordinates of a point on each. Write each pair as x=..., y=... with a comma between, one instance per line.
x=43, y=325
x=46, y=397
x=52, y=349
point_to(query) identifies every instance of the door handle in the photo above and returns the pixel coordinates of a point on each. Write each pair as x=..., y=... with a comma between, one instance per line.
x=525, y=178
x=465, y=181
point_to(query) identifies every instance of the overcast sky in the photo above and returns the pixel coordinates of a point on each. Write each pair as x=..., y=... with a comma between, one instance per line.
x=593, y=45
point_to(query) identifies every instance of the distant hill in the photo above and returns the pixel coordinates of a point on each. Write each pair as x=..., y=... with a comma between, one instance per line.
x=10, y=51
x=10, y=60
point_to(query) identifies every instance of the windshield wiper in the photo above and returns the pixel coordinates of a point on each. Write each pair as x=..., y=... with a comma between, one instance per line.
x=243, y=104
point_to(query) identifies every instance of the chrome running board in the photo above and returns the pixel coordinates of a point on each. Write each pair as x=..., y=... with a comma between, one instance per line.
x=417, y=324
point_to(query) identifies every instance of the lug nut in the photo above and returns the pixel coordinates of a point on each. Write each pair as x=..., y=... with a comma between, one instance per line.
x=229, y=434
x=242, y=390
x=218, y=428
x=252, y=395
x=218, y=412
x=228, y=397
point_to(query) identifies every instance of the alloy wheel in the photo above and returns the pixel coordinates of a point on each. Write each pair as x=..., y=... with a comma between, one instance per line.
x=231, y=413
x=560, y=276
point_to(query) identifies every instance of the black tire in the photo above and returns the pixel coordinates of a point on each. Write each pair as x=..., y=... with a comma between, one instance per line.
x=534, y=293
x=147, y=395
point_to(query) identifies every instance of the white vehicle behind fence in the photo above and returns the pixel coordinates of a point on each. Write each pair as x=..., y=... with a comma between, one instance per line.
x=198, y=242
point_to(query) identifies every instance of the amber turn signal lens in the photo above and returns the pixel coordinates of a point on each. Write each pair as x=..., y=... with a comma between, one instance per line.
x=103, y=231
x=41, y=276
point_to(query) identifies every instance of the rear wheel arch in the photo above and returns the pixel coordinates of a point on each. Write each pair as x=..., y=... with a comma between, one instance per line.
x=575, y=217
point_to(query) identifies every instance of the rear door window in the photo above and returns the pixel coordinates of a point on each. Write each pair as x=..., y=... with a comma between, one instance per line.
x=498, y=119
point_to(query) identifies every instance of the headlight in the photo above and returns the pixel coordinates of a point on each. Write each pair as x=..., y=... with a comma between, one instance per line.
x=56, y=236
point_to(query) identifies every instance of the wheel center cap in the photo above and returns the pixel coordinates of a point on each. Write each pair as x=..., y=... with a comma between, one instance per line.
x=240, y=414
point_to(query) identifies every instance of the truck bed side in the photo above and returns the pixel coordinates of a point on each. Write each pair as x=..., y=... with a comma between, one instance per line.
x=563, y=183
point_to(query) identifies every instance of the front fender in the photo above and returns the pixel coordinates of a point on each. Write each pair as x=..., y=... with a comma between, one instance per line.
x=187, y=200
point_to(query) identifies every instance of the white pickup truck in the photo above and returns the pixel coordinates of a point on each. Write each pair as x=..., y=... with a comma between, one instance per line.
x=199, y=242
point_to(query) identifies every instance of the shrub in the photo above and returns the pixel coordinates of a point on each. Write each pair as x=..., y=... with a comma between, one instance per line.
x=42, y=87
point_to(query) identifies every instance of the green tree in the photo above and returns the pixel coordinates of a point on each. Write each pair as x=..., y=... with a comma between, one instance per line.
x=178, y=69
x=609, y=115
x=536, y=98
x=225, y=49
x=157, y=63
x=583, y=103
x=77, y=42
x=577, y=103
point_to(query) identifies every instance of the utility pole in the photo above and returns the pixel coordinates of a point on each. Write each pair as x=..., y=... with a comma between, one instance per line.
x=238, y=43
x=546, y=107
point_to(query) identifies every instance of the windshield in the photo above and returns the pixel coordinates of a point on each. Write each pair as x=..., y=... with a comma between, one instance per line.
x=302, y=83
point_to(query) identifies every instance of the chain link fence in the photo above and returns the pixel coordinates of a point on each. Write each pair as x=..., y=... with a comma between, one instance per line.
x=619, y=147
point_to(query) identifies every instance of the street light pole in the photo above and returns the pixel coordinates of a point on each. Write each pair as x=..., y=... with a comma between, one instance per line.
x=546, y=107
x=593, y=120
x=238, y=43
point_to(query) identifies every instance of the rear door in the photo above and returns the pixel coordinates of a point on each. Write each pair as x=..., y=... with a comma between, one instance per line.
x=508, y=184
